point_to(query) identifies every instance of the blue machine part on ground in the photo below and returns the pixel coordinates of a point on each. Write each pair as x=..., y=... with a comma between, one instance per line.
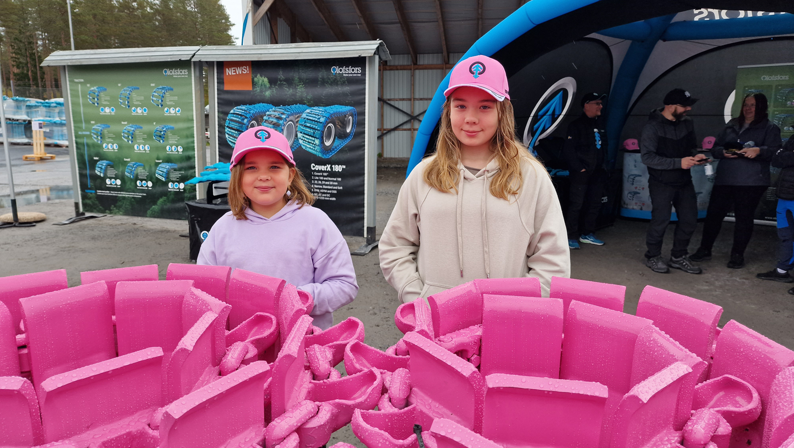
x=93, y=94
x=163, y=169
x=245, y=117
x=218, y=172
x=102, y=166
x=132, y=167
x=161, y=131
x=128, y=134
x=159, y=93
x=323, y=131
x=98, y=132
x=285, y=119
x=124, y=96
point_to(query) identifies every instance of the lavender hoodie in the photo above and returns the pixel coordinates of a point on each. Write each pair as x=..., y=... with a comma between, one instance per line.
x=300, y=245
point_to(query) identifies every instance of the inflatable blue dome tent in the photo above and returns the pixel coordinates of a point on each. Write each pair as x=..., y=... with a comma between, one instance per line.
x=541, y=26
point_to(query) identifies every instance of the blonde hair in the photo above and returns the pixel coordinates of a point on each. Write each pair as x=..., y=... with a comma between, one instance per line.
x=442, y=172
x=297, y=191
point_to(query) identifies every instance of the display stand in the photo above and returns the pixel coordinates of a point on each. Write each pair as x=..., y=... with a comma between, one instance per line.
x=38, y=144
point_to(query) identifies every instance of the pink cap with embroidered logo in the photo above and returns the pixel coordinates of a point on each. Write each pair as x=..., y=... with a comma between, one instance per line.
x=259, y=138
x=481, y=72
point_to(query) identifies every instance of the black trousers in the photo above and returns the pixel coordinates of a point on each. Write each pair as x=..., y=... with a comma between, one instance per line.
x=663, y=198
x=743, y=200
x=584, y=202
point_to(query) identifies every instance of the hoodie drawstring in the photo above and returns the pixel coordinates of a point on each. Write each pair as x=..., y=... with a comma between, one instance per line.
x=483, y=222
x=459, y=221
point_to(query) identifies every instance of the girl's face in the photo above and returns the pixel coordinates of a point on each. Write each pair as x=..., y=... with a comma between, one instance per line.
x=748, y=108
x=474, y=118
x=266, y=177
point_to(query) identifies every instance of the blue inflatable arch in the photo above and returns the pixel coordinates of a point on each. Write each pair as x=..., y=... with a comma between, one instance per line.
x=541, y=26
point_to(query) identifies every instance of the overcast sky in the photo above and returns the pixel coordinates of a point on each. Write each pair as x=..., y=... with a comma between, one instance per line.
x=235, y=10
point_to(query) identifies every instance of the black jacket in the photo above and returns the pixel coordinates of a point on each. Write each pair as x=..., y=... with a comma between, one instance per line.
x=742, y=171
x=663, y=144
x=586, y=144
x=785, y=180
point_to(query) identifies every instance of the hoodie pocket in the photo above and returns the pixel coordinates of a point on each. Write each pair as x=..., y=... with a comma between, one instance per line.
x=412, y=289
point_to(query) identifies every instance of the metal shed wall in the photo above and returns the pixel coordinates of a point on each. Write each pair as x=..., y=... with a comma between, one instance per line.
x=396, y=89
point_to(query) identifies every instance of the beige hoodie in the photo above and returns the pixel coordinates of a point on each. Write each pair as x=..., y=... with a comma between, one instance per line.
x=435, y=241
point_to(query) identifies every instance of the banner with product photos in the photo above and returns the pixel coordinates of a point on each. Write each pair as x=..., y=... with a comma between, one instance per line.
x=134, y=137
x=319, y=106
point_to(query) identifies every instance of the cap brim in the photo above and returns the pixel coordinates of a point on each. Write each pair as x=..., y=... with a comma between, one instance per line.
x=496, y=96
x=239, y=156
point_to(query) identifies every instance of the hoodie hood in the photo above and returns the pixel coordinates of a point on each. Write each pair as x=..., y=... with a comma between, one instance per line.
x=284, y=214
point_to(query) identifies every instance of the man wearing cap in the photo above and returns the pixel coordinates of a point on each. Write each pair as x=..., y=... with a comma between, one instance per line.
x=585, y=150
x=669, y=150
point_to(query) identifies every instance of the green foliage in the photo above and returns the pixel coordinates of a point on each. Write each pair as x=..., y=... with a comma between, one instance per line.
x=262, y=87
x=32, y=29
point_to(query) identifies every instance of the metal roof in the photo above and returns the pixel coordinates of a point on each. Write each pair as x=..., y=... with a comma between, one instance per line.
x=120, y=56
x=406, y=26
x=309, y=50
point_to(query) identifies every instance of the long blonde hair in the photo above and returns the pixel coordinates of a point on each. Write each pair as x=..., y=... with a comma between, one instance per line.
x=442, y=172
x=297, y=191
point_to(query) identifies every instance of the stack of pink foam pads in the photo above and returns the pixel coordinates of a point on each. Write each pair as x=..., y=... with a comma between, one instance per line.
x=215, y=358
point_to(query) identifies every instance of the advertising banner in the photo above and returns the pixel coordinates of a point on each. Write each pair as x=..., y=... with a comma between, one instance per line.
x=319, y=106
x=776, y=82
x=134, y=137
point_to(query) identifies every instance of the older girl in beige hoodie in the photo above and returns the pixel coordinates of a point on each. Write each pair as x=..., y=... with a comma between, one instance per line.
x=482, y=206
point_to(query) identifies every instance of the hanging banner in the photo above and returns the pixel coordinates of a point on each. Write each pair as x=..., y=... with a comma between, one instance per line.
x=319, y=106
x=134, y=137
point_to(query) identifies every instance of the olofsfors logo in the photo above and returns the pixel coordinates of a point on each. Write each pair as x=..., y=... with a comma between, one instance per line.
x=346, y=70
x=175, y=72
x=774, y=78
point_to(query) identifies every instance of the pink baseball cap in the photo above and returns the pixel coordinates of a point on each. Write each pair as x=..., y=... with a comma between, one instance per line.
x=259, y=138
x=708, y=142
x=481, y=72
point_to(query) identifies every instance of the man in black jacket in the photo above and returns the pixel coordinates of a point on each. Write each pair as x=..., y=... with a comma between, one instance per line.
x=784, y=159
x=584, y=151
x=669, y=150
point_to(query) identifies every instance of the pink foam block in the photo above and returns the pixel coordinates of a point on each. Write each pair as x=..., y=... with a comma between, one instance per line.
x=220, y=412
x=251, y=293
x=706, y=429
x=113, y=276
x=68, y=329
x=214, y=280
x=280, y=428
x=464, y=342
x=338, y=399
x=337, y=337
x=691, y=322
x=521, y=337
x=386, y=429
x=16, y=287
x=149, y=314
x=521, y=286
x=444, y=385
x=260, y=330
x=19, y=412
x=754, y=358
x=456, y=308
x=292, y=304
x=654, y=351
x=647, y=412
x=360, y=356
x=198, y=302
x=734, y=399
x=319, y=357
x=530, y=411
x=415, y=316
x=9, y=355
x=604, y=295
x=448, y=434
x=290, y=379
x=101, y=393
x=399, y=388
x=191, y=363
x=780, y=412
x=292, y=441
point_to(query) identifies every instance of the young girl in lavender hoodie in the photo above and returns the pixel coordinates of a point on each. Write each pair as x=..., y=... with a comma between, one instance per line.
x=273, y=230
